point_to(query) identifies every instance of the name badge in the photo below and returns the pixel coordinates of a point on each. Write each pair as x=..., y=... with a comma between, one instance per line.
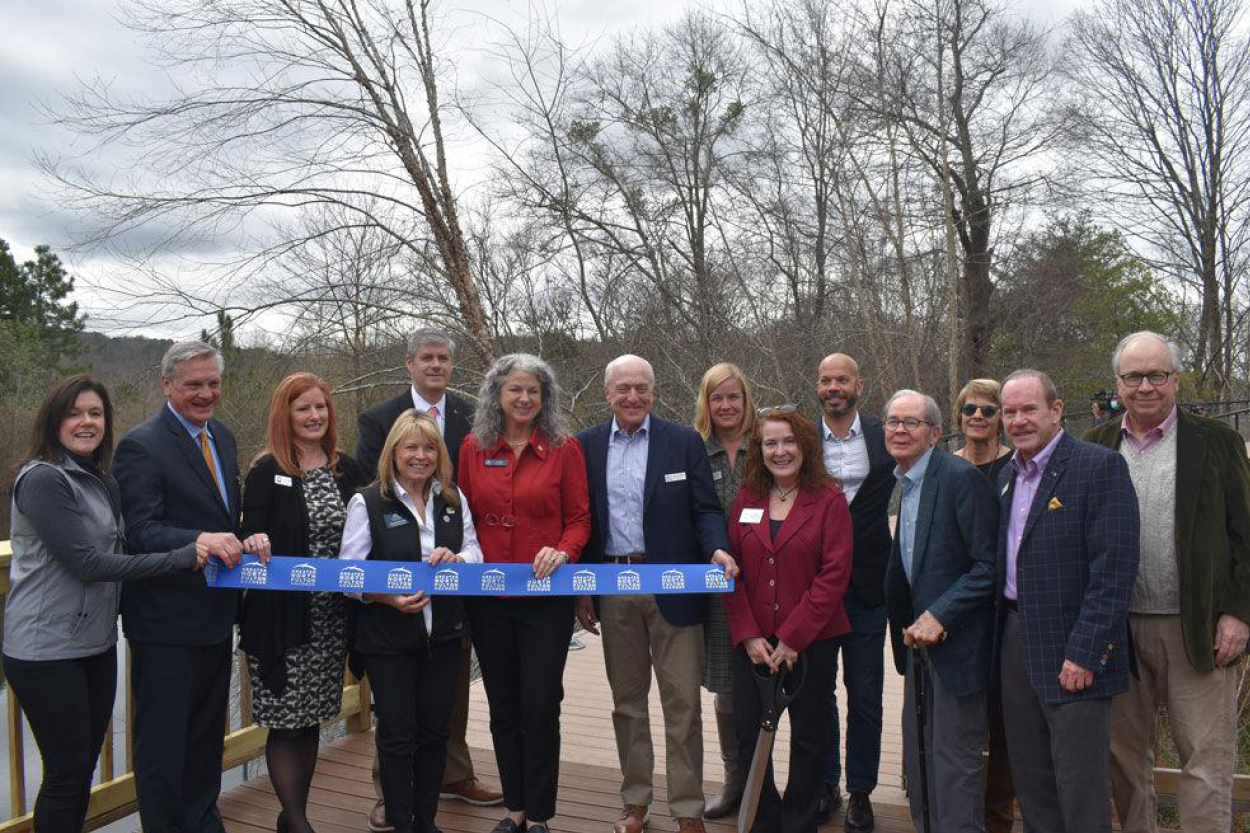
x=394, y=519
x=718, y=475
x=674, y=477
x=283, y=480
x=751, y=516
x=494, y=463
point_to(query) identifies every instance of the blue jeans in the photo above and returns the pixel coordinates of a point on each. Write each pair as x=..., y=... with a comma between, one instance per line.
x=863, y=674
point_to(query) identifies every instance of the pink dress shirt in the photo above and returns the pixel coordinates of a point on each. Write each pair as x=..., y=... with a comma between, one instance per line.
x=1028, y=476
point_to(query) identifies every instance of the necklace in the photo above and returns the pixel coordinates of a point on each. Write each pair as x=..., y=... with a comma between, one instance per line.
x=517, y=444
x=784, y=494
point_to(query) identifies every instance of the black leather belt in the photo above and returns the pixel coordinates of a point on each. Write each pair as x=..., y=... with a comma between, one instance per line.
x=632, y=558
x=1011, y=604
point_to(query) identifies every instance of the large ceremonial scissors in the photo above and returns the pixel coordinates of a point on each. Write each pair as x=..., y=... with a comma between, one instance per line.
x=776, y=692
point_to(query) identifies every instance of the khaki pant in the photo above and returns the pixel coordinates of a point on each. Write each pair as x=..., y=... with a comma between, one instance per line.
x=459, y=764
x=636, y=639
x=1202, y=715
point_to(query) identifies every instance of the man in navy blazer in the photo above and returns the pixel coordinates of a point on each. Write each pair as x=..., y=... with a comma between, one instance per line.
x=651, y=502
x=1067, y=559
x=939, y=589
x=179, y=481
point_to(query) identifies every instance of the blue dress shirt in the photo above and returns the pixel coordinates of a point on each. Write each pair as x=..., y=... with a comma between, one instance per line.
x=194, y=431
x=627, y=477
x=909, y=506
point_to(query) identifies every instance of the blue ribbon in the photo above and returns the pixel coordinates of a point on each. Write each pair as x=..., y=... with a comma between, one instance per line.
x=335, y=576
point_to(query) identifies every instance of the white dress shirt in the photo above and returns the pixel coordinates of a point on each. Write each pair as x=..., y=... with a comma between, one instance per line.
x=423, y=407
x=357, y=541
x=846, y=458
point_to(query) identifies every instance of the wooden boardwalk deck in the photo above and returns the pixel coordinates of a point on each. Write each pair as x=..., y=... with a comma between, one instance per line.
x=589, y=775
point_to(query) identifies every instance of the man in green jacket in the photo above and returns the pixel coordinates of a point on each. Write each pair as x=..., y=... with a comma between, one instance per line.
x=1191, y=601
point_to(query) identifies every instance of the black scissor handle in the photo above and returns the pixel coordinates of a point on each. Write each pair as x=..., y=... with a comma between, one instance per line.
x=778, y=690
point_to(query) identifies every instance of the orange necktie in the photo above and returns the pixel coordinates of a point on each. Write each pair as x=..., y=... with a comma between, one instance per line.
x=208, y=457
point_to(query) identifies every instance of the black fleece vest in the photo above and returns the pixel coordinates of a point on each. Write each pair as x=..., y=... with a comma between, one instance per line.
x=381, y=629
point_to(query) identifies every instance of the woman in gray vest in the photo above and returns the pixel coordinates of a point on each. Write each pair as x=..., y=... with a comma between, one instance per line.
x=409, y=644
x=60, y=619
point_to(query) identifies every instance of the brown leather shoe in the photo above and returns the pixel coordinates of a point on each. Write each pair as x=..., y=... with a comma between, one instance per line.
x=633, y=819
x=473, y=791
x=377, y=818
x=690, y=826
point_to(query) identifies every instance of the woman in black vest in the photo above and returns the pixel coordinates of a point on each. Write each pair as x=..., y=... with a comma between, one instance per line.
x=410, y=644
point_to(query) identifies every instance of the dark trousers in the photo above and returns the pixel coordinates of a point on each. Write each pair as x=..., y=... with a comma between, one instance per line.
x=796, y=812
x=863, y=673
x=413, y=693
x=68, y=704
x=522, y=645
x=181, y=693
x=1060, y=754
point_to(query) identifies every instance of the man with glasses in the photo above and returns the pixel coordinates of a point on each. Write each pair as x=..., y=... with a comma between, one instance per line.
x=854, y=450
x=430, y=359
x=1191, y=600
x=939, y=589
x=652, y=501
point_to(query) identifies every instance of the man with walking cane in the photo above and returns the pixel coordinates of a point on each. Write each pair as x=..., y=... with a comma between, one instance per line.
x=940, y=584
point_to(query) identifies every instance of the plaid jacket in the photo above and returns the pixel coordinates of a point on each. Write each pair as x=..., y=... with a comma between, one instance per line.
x=1075, y=569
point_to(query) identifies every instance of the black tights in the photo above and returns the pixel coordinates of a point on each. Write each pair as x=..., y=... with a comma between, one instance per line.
x=291, y=755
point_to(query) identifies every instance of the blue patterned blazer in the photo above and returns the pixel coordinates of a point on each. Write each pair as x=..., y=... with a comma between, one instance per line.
x=1075, y=569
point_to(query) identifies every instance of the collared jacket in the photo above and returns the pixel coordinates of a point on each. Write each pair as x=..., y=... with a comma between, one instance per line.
x=65, y=595
x=792, y=587
x=521, y=505
x=953, y=573
x=1212, y=526
x=1075, y=569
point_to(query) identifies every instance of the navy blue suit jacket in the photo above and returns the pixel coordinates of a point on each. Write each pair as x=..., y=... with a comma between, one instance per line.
x=953, y=573
x=682, y=520
x=168, y=499
x=870, y=517
x=1075, y=569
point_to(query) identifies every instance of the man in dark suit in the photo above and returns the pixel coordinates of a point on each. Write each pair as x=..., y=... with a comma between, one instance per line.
x=1067, y=558
x=1191, y=601
x=854, y=451
x=939, y=588
x=431, y=357
x=658, y=507
x=179, y=481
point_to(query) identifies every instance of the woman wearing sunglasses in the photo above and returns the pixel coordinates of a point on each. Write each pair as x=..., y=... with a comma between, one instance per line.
x=979, y=418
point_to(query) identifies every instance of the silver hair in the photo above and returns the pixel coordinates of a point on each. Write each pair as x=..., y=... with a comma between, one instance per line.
x=421, y=338
x=488, y=419
x=185, y=351
x=1048, y=385
x=620, y=360
x=932, y=412
x=1173, y=350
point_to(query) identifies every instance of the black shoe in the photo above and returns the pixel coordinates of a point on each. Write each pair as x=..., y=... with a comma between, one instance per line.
x=537, y=827
x=507, y=825
x=829, y=802
x=859, y=817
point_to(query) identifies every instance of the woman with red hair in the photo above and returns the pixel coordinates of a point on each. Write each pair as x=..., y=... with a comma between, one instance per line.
x=296, y=643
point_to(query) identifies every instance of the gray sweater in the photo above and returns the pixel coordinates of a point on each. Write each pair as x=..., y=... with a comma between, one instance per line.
x=68, y=557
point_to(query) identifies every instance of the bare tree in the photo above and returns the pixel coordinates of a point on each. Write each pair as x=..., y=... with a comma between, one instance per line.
x=290, y=104
x=1166, y=128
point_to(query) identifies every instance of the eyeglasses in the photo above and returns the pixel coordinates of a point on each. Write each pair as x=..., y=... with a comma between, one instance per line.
x=508, y=521
x=987, y=411
x=910, y=423
x=1156, y=377
x=785, y=409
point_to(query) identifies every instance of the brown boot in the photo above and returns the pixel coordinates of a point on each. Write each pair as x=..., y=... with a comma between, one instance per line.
x=726, y=801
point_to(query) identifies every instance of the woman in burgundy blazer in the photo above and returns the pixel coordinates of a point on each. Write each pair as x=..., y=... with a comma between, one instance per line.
x=790, y=531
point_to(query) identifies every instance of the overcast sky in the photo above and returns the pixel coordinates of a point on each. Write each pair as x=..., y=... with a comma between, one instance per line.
x=47, y=47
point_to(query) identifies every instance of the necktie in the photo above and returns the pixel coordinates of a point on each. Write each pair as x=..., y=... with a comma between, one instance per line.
x=434, y=412
x=208, y=457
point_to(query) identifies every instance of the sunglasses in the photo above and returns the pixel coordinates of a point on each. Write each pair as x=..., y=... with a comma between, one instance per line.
x=785, y=409
x=987, y=411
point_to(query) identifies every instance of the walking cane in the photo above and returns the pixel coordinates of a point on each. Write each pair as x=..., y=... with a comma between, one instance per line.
x=919, y=688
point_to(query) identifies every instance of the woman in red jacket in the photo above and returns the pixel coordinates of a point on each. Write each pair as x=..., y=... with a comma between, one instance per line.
x=791, y=532
x=525, y=480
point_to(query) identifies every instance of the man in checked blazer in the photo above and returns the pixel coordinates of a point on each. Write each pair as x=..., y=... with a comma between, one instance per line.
x=1067, y=559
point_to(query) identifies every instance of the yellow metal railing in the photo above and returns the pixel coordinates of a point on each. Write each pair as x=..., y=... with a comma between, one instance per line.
x=114, y=796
